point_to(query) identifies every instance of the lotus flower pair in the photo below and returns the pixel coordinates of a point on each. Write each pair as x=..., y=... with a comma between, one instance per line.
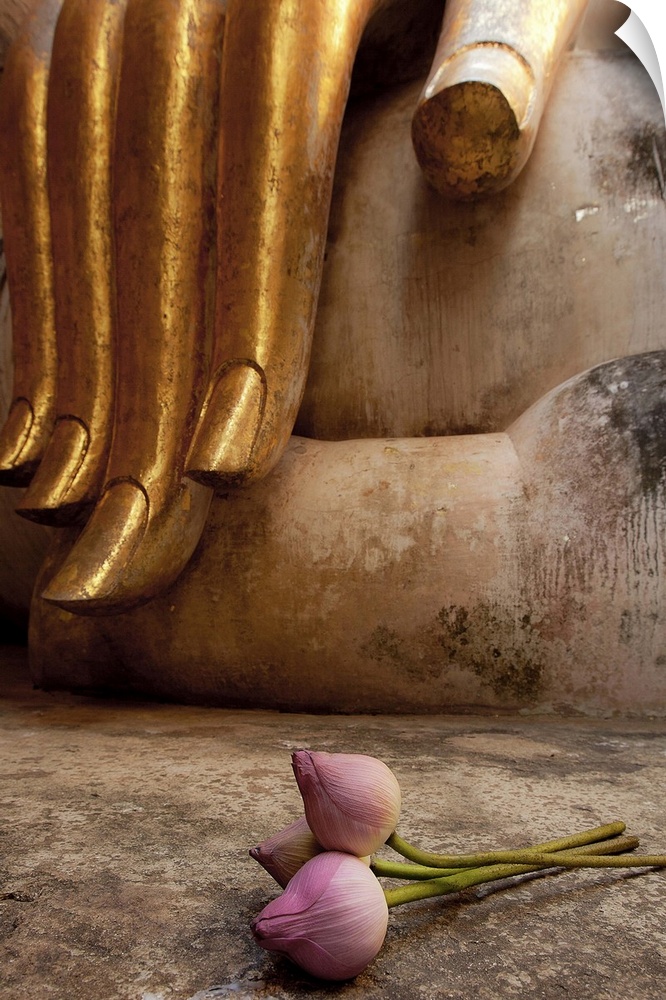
x=332, y=917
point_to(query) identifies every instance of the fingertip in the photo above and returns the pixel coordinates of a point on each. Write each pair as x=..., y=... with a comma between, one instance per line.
x=222, y=448
x=472, y=129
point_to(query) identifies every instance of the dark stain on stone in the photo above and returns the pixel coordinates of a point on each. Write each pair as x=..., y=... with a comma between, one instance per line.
x=456, y=622
x=501, y=648
x=633, y=162
x=383, y=644
x=627, y=624
x=647, y=158
x=635, y=391
x=502, y=651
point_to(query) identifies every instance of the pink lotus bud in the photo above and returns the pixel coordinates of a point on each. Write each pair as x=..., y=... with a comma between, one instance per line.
x=285, y=852
x=352, y=802
x=331, y=919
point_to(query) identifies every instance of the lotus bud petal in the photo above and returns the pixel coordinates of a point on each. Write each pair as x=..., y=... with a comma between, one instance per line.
x=352, y=802
x=285, y=852
x=331, y=919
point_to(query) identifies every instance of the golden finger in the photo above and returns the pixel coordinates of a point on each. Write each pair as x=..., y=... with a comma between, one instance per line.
x=80, y=123
x=479, y=113
x=149, y=519
x=285, y=79
x=27, y=241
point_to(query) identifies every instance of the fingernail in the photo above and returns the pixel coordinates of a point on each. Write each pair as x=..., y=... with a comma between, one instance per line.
x=222, y=446
x=97, y=564
x=471, y=131
x=17, y=466
x=63, y=489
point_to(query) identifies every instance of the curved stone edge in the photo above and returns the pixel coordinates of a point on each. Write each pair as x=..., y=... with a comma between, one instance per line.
x=515, y=571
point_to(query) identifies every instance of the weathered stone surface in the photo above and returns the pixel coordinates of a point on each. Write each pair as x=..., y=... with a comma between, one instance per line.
x=125, y=829
x=522, y=570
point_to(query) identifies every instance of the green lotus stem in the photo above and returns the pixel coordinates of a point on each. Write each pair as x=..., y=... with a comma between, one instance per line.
x=569, y=859
x=397, y=869
x=466, y=878
x=431, y=860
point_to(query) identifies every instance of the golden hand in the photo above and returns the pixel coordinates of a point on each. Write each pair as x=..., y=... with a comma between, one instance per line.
x=132, y=197
x=180, y=369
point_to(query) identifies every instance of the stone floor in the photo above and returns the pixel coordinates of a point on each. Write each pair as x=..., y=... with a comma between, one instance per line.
x=124, y=830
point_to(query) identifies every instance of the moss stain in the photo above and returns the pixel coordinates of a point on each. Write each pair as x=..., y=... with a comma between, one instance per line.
x=502, y=651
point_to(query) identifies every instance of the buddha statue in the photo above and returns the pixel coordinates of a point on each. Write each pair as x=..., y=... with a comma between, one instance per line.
x=260, y=386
